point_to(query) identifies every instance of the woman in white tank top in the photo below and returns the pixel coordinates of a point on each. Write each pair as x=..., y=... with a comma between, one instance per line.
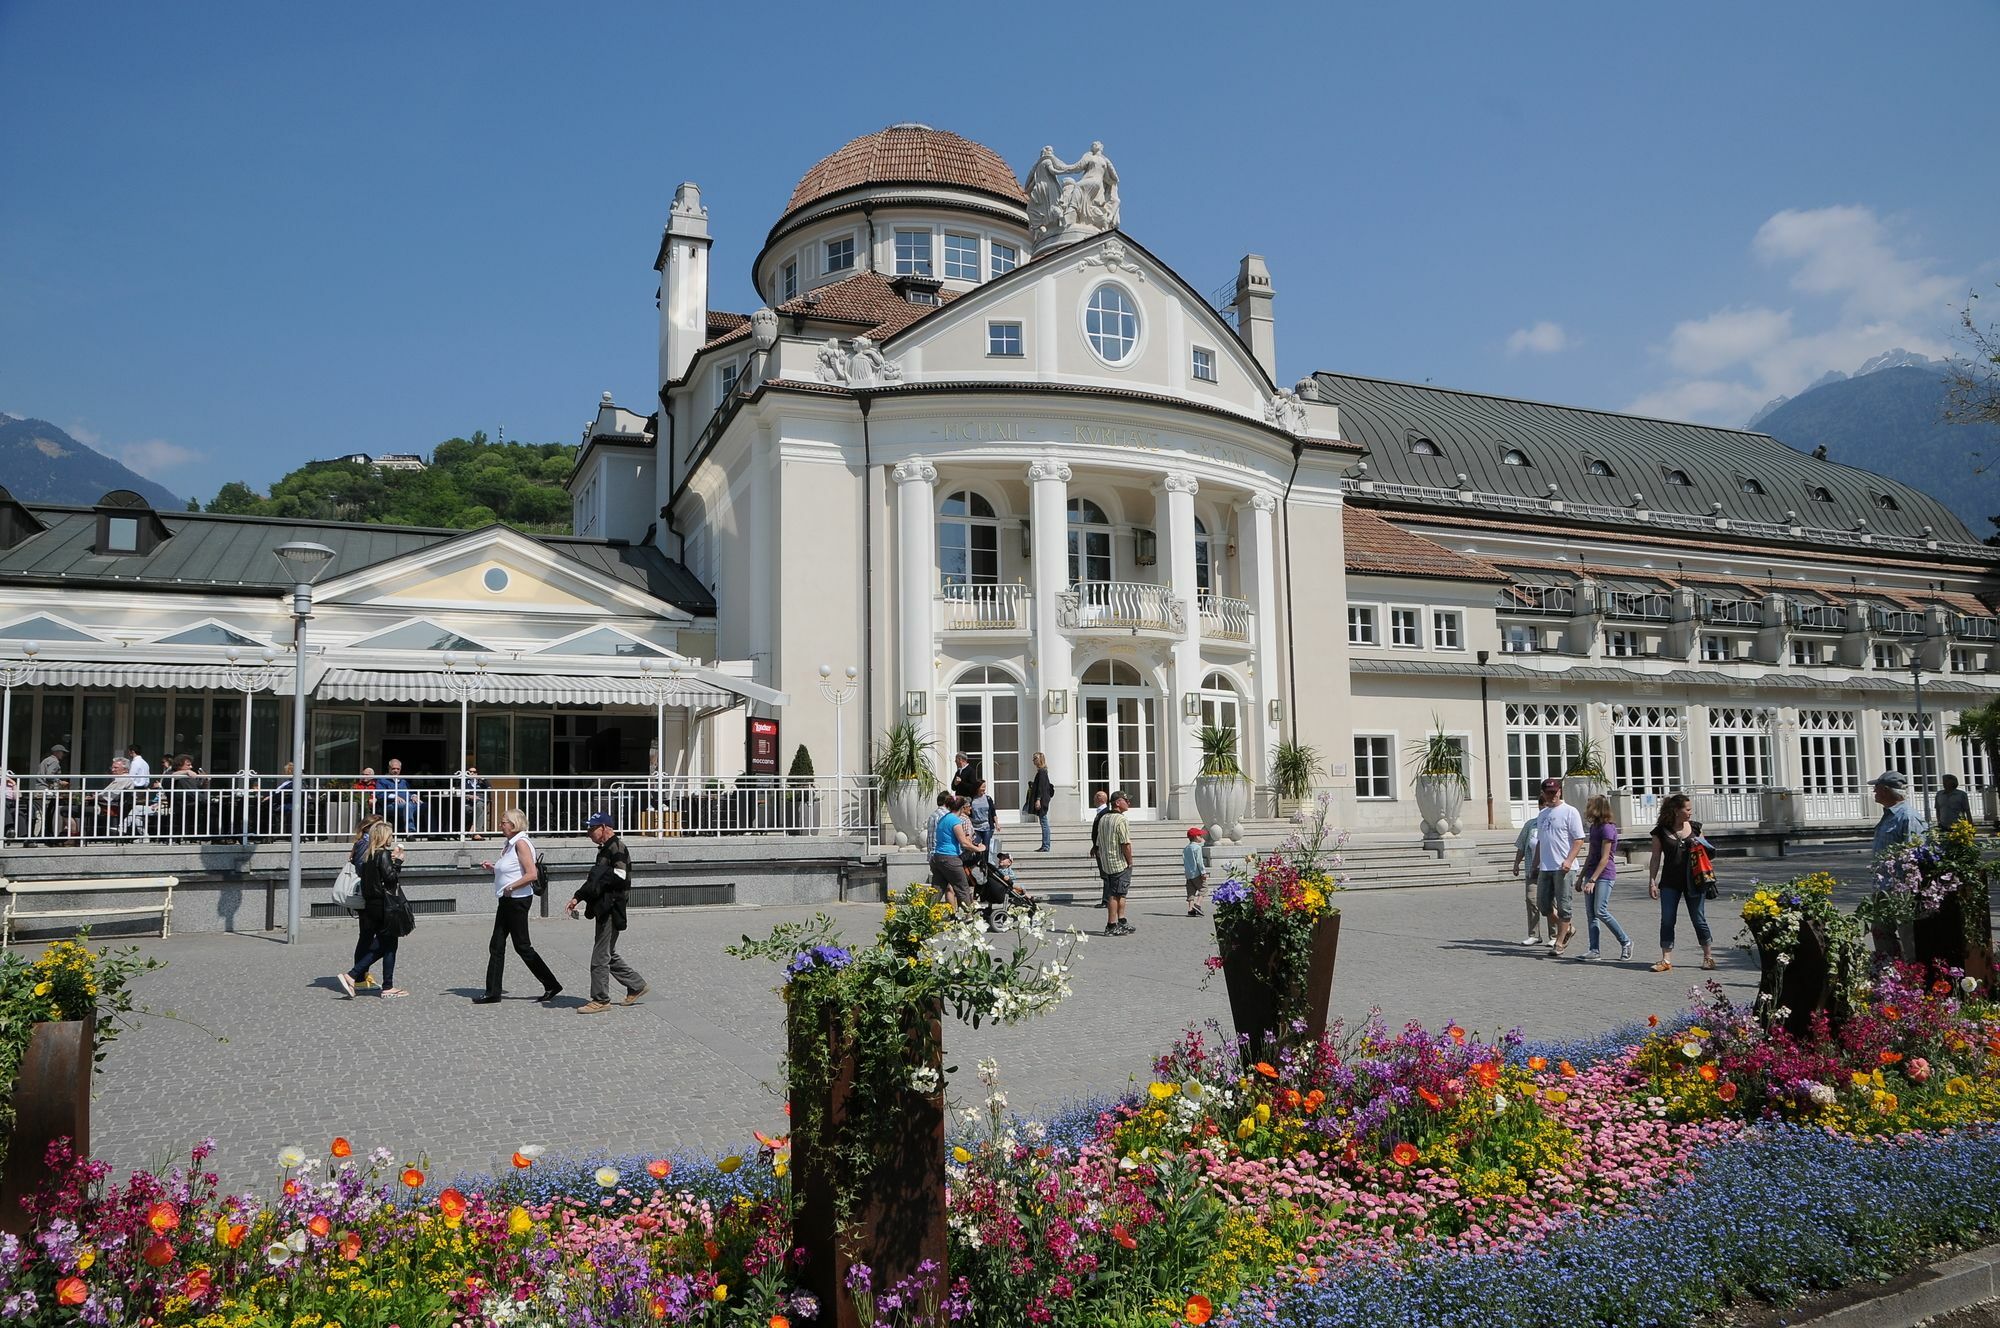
x=515, y=874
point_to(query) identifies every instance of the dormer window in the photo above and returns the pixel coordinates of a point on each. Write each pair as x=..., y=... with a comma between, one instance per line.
x=1818, y=494
x=126, y=525
x=1886, y=502
x=1514, y=456
x=1600, y=468
x=121, y=534
x=1425, y=447
x=1679, y=479
x=1750, y=486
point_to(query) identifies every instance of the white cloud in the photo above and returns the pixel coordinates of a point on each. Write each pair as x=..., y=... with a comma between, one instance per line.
x=153, y=456
x=1543, y=338
x=1863, y=296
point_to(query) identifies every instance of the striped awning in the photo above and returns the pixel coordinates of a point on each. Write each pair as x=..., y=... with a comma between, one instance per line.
x=436, y=687
x=152, y=675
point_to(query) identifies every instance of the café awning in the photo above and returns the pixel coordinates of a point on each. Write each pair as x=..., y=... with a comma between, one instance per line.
x=703, y=691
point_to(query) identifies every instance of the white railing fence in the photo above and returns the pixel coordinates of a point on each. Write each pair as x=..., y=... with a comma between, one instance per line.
x=236, y=809
x=1225, y=618
x=972, y=608
x=1110, y=604
x=1727, y=806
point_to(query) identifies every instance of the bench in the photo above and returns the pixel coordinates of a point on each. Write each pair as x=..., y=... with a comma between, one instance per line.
x=18, y=891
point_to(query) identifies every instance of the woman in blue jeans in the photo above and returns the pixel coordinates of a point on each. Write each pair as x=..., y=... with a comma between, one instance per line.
x=381, y=882
x=1670, y=879
x=1600, y=873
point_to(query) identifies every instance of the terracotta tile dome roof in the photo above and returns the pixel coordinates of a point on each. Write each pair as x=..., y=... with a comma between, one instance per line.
x=909, y=154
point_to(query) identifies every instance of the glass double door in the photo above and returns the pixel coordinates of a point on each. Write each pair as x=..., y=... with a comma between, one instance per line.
x=986, y=726
x=1118, y=747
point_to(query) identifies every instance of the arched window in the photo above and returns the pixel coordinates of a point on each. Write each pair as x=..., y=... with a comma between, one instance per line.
x=1886, y=502
x=1204, y=561
x=1424, y=447
x=1597, y=467
x=986, y=705
x=968, y=540
x=1089, y=542
x=1112, y=673
x=1222, y=708
x=1679, y=479
x=1818, y=494
x=1514, y=456
x=1750, y=486
x=1111, y=324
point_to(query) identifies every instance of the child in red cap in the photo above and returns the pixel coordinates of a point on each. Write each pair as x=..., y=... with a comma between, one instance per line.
x=1195, y=866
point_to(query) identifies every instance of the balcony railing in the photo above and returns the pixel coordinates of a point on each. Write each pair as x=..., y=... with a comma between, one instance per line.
x=1538, y=599
x=258, y=808
x=983, y=608
x=1645, y=606
x=1735, y=612
x=1224, y=618
x=1110, y=605
x=1818, y=617
x=1818, y=808
x=1975, y=629
x=1900, y=621
x=1727, y=806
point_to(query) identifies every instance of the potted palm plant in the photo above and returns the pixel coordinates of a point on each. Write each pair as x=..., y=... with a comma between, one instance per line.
x=1583, y=776
x=903, y=770
x=1981, y=725
x=803, y=806
x=1441, y=781
x=1294, y=767
x=1221, y=793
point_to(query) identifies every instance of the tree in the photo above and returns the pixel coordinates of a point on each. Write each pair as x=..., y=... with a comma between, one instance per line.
x=1975, y=380
x=1980, y=726
x=235, y=499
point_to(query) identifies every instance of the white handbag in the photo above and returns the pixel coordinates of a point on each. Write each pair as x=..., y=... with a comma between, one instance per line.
x=347, y=888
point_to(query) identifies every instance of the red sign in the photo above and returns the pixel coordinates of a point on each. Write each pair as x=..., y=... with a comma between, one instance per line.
x=760, y=756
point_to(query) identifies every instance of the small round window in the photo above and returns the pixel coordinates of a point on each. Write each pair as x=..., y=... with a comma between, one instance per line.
x=1111, y=324
x=496, y=579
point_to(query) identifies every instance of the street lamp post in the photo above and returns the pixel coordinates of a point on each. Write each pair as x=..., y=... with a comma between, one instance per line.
x=665, y=691
x=304, y=560
x=462, y=686
x=838, y=694
x=1916, y=648
x=248, y=679
x=13, y=675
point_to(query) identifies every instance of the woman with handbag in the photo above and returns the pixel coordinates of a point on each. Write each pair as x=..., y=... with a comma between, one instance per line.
x=384, y=911
x=1041, y=796
x=1677, y=871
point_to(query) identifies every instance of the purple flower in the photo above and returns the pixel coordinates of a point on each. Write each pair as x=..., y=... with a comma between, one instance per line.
x=1231, y=892
x=828, y=956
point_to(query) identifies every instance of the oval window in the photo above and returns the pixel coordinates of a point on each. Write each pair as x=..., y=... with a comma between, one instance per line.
x=496, y=579
x=1111, y=324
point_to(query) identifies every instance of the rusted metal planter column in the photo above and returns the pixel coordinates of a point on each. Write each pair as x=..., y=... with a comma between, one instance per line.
x=51, y=1102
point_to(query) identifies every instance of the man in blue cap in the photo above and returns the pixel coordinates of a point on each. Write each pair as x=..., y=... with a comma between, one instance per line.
x=1900, y=820
x=602, y=897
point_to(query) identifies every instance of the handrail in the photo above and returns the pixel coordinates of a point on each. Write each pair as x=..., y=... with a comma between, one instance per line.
x=1646, y=605
x=1108, y=605
x=1739, y=612
x=1537, y=599
x=1225, y=618
x=973, y=607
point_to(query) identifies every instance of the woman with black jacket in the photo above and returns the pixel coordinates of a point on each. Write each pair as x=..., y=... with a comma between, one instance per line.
x=381, y=894
x=1041, y=796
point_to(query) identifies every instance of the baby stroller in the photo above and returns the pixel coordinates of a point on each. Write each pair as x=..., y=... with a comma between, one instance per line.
x=1003, y=904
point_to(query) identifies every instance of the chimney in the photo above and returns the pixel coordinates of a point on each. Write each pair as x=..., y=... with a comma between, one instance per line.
x=1253, y=312
x=683, y=269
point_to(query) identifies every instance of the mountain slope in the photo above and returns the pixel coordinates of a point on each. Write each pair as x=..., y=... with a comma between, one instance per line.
x=39, y=463
x=1891, y=421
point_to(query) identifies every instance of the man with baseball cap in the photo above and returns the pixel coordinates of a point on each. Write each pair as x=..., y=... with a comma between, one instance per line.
x=1900, y=819
x=602, y=897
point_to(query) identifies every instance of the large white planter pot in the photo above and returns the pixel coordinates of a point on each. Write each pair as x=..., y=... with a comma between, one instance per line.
x=1222, y=801
x=1440, y=798
x=1578, y=790
x=906, y=811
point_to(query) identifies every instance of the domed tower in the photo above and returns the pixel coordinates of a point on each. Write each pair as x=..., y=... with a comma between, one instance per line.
x=908, y=201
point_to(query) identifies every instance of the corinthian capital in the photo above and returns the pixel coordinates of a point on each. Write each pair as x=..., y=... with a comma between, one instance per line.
x=1179, y=481
x=1048, y=470
x=915, y=471
x=1263, y=502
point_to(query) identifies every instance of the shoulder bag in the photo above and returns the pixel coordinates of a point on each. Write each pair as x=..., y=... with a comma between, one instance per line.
x=347, y=888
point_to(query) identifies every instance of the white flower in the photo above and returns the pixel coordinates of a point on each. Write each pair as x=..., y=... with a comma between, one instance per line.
x=989, y=1072
x=531, y=1151
x=1821, y=1094
x=924, y=1079
x=1193, y=1088
x=1691, y=1050
x=970, y=1115
x=607, y=1177
x=1037, y=1131
x=997, y=1102
x=276, y=1253
x=291, y=1156
x=297, y=1241
x=1968, y=985
x=1499, y=1103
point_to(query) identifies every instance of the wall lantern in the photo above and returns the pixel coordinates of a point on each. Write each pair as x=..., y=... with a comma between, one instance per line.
x=1191, y=705
x=1277, y=710
x=915, y=703
x=1145, y=548
x=1027, y=539
x=1058, y=701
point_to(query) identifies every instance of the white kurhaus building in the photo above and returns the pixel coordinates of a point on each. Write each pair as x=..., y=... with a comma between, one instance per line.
x=982, y=445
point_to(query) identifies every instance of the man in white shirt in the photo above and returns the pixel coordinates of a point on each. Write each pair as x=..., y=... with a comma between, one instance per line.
x=1559, y=837
x=142, y=774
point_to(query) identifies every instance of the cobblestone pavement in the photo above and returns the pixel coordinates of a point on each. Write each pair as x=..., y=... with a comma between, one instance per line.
x=692, y=1066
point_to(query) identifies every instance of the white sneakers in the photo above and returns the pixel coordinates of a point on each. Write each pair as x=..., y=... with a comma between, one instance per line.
x=1532, y=939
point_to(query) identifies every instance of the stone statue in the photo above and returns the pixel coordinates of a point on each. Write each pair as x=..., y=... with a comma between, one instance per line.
x=1087, y=203
x=832, y=362
x=867, y=365
x=1286, y=411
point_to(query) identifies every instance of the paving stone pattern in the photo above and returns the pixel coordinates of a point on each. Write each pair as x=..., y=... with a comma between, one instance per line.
x=435, y=1076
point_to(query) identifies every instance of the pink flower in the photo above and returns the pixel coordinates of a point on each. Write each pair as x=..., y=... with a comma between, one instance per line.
x=1917, y=1068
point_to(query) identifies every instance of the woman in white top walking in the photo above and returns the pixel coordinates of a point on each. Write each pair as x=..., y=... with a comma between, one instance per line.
x=515, y=873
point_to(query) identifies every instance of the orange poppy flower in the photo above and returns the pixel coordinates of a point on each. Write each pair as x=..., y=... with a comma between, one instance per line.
x=1266, y=1069
x=350, y=1246
x=1124, y=1237
x=342, y=1148
x=158, y=1253
x=658, y=1307
x=1404, y=1154
x=1290, y=1097
x=320, y=1225
x=71, y=1291
x=1431, y=1100
x=163, y=1217
x=1565, y=1069
x=659, y=1168
x=198, y=1283
x=1486, y=1073
x=1941, y=988
x=711, y=1249
x=1707, y=1073
x=1726, y=1091
x=1891, y=1013
x=452, y=1204
x=1315, y=1100
x=1198, y=1310
x=1891, y=1057
x=523, y=1161
x=1457, y=1034
x=1538, y=1063
x=412, y=1177
x=779, y=1321
x=768, y=1142
x=230, y=1234
x=291, y=1187
x=1652, y=1021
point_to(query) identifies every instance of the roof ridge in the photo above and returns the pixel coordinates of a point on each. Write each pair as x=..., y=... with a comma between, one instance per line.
x=1564, y=405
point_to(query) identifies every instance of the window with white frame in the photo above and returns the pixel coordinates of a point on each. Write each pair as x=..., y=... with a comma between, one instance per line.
x=1361, y=625
x=840, y=255
x=725, y=381
x=1111, y=324
x=1964, y=660
x=1888, y=655
x=1739, y=748
x=1911, y=747
x=1204, y=560
x=968, y=541
x=1829, y=755
x=1622, y=643
x=1374, y=767
x=1541, y=742
x=1972, y=760
x=1089, y=542
x=1447, y=629
x=1005, y=257
x=1222, y=706
x=1003, y=339
x=1715, y=649
x=961, y=257
x=1646, y=749
x=788, y=280
x=1405, y=629
x=1203, y=367
x=1805, y=652
x=913, y=253
x=1519, y=639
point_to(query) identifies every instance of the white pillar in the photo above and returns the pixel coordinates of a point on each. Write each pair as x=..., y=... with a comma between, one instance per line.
x=1173, y=514
x=1257, y=565
x=916, y=587
x=1054, y=734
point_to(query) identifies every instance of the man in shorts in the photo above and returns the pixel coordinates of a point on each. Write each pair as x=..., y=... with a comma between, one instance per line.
x=1558, y=840
x=1111, y=840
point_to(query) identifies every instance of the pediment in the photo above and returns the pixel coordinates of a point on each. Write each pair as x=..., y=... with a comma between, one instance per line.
x=496, y=569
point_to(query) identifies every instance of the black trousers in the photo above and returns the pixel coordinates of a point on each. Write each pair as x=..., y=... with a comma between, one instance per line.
x=510, y=923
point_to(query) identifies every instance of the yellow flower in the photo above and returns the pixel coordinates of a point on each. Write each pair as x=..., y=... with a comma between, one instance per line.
x=85, y=1257
x=518, y=1221
x=1957, y=1086
x=779, y=1168
x=727, y=1165
x=721, y=1292
x=960, y=1156
x=1263, y=1113
x=41, y=989
x=1161, y=1092
x=1885, y=1103
x=1245, y=1128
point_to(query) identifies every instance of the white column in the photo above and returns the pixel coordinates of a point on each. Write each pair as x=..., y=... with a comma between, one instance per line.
x=1257, y=565
x=1173, y=515
x=1055, y=734
x=916, y=587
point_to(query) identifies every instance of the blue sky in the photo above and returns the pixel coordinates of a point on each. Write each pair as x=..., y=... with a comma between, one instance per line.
x=239, y=236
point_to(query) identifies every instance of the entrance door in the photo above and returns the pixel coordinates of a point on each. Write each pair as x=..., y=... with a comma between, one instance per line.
x=1117, y=738
x=986, y=725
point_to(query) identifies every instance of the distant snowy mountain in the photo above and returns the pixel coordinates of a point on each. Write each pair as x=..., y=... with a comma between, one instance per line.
x=1888, y=359
x=39, y=463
